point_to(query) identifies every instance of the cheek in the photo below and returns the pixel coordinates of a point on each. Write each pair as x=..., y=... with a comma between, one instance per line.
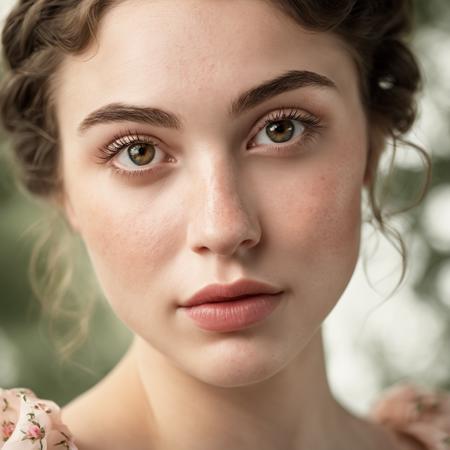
x=333, y=218
x=321, y=239
x=320, y=216
x=322, y=208
x=129, y=246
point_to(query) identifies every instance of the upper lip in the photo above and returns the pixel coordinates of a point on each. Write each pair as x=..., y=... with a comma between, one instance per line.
x=225, y=292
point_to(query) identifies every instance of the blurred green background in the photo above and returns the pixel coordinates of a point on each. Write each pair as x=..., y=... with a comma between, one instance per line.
x=28, y=355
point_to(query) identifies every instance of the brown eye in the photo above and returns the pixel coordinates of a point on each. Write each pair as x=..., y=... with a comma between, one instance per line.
x=141, y=154
x=280, y=131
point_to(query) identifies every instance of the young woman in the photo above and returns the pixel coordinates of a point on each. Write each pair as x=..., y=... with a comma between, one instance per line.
x=212, y=157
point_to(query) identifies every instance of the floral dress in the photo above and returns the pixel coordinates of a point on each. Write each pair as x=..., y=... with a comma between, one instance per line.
x=30, y=423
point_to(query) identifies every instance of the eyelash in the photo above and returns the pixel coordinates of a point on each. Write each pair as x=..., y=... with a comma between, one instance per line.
x=311, y=124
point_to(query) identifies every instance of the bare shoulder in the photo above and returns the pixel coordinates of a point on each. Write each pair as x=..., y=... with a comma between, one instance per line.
x=100, y=418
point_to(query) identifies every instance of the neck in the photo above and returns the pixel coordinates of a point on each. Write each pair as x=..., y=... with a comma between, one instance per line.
x=293, y=409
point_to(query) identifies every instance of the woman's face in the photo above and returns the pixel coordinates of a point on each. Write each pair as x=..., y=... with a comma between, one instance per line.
x=208, y=197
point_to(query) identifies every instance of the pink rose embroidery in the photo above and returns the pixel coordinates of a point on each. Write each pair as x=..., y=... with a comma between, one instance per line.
x=27, y=421
x=34, y=432
x=7, y=429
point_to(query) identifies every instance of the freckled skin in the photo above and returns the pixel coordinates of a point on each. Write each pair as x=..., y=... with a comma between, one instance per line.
x=222, y=211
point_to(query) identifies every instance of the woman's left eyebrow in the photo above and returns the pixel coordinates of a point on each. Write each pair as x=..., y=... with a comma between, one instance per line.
x=288, y=81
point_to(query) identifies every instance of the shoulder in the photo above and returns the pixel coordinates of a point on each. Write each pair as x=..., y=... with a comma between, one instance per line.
x=26, y=419
x=417, y=412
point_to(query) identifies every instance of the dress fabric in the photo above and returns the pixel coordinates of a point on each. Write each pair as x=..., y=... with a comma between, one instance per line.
x=31, y=423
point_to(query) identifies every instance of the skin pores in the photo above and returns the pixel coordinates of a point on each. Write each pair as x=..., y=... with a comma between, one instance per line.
x=218, y=209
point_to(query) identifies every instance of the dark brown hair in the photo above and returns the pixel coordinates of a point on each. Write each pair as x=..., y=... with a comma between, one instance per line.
x=38, y=34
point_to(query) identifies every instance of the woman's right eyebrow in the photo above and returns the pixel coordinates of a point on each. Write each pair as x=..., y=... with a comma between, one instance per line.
x=288, y=81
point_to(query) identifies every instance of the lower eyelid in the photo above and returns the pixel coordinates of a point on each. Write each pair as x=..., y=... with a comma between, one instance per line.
x=151, y=170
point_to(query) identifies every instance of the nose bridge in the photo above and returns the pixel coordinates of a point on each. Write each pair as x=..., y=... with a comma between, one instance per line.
x=222, y=220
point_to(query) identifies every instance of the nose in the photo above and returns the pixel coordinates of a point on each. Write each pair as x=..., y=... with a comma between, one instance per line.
x=221, y=221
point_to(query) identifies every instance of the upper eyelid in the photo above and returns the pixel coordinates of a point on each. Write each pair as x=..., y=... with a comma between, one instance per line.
x=133, y=136
x=288, y=111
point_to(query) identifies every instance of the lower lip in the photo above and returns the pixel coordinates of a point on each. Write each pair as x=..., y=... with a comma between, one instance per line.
x=233, y=315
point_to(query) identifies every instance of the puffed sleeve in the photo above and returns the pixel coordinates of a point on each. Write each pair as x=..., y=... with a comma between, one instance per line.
x=421, y=413
x=30, y=423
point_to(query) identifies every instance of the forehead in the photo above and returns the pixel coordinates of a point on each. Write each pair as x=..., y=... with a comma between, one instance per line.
x=164, y=51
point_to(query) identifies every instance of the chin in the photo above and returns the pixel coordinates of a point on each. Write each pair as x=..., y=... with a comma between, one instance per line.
x=241, y=363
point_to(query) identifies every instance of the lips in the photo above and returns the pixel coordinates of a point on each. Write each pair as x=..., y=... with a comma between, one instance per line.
x=243, y=288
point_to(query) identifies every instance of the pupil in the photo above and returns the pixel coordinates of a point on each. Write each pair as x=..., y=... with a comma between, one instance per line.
x=281, y=131
x=140, y=154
